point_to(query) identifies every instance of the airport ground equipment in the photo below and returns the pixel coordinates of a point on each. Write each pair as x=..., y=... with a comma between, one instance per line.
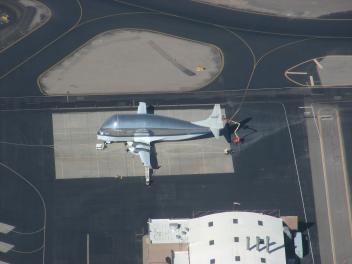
x=4, y=18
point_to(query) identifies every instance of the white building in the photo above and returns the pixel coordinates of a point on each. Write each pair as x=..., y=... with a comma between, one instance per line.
x=225, y=238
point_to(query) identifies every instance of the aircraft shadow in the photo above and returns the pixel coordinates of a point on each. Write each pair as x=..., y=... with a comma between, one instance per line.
x=229, y=129
x=154, y=157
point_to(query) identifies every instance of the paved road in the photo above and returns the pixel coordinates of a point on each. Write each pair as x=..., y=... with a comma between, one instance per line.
x=320, y=198
x=330, y=184
x=336, y=184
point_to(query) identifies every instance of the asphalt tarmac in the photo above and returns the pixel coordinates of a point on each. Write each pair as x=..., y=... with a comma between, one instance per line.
x=26, y=183
x=346, y=118
x=122, y=207
x=335, y=25
x=257, y=50
x=240, y=46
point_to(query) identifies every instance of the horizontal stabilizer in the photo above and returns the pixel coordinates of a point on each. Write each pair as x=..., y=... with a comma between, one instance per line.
x=142, y=149
x=214, y=122
x=215, y=131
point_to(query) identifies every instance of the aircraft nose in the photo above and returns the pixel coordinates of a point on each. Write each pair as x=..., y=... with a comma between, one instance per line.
x=111, y=122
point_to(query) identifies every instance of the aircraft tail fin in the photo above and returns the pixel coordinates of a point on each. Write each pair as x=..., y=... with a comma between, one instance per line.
x=214, y=121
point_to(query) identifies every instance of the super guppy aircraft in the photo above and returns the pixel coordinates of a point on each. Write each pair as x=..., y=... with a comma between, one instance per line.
x=139, y=131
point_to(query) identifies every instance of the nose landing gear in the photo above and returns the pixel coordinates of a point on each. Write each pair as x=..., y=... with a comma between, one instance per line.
x=148, y=173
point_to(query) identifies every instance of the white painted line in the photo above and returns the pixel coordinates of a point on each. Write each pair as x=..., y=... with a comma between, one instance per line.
x=298, y=73
x=304, y=107
x=5, y=228
x=5, y=247
x=311, y=80
x=326, y=117
x=2, y=262
x=318, y=64
x=299, y=182
x=87, y=248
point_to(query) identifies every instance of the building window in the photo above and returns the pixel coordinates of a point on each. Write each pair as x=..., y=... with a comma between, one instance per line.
x=211, y=242
x=236, y=239
x=260, y=223
x=237, y=258
x=261, y=241
x=210, y=224
x=212, y=261
x=262, y=260
x=235, y=221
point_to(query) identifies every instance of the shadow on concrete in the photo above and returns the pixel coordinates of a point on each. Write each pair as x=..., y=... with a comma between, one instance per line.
x=303, y=226
x=154, y=157
x=289, y=243
x=150, y=109
x=229, y=129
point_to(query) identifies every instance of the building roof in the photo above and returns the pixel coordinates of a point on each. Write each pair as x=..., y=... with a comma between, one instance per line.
x=168, y=230
x=229, y=237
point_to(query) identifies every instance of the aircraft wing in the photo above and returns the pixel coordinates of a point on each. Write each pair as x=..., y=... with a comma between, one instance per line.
x=143, y=150
x=145, y=158
x=142, y=108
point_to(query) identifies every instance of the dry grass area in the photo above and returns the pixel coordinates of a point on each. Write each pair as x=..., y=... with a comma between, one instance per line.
x=134, y=61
